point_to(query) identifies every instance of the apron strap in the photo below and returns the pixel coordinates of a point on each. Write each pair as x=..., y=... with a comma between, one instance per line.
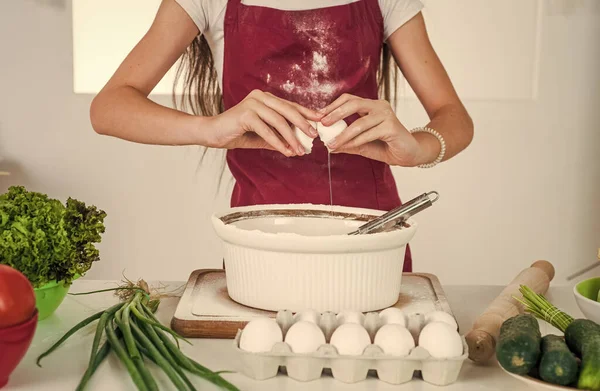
x=231, y=13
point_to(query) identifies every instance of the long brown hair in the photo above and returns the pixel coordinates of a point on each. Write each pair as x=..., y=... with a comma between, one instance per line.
x=202, y=94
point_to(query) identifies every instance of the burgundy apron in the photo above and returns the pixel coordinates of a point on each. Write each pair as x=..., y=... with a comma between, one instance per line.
x=310, y=57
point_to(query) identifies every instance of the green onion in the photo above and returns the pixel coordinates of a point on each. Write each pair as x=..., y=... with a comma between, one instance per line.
x=192, y=365
x=537, y=305
x=153, y=323
x=133, y=334
x=180, y=372
x=109, y=290
x=160, y=360
x=100, y=328
x=69, y=333
x=97, y=360
x=126, y=327
x=146, y=375
x=121, y=353
x=149, y=330
x=196, y=368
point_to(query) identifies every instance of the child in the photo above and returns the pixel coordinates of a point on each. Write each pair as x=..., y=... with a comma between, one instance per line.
x=255, y=69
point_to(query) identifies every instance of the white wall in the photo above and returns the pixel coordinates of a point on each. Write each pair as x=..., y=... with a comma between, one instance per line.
x=527, y=188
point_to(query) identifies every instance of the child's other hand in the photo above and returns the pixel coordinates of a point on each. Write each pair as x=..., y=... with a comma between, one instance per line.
x=263, y=120
x=377, y=135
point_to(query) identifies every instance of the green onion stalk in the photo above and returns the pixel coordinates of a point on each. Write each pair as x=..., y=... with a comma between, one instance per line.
x=537, y=305
x=130, y=330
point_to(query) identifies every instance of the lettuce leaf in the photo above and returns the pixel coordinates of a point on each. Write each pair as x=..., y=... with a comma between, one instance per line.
x=46, y=240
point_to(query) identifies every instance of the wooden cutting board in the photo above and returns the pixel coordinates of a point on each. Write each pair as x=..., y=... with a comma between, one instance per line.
x=206, y=310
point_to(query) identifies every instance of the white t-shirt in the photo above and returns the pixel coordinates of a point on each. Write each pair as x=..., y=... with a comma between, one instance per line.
x=209, y=16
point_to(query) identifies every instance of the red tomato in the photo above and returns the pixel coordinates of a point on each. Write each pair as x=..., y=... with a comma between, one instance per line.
x=17, y=300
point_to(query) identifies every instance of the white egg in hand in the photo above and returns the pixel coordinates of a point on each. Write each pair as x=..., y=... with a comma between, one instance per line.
x=304, y=337
x=306, y=141
x=441, y=340
x=308, y=315
x=394, y=340
x=260, y=335
x=393, y=316
x=350, y=316
x=350, y=339
x=441, y=316
x=328, y=133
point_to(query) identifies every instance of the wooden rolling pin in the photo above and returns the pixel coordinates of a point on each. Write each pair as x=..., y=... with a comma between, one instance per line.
x=482, y=338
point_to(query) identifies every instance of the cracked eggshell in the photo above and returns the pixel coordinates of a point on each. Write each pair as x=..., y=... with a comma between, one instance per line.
x=441, y=340
x=395, y=340
x=260, y=335
x=350, y=339
x=328, y=133
x=304, y=337
x=393, y=316
x=306, y=141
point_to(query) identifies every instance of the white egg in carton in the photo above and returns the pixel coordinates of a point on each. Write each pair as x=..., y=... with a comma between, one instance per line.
x=338, y=344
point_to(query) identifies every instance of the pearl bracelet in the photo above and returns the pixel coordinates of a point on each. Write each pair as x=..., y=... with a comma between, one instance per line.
x=442, y=145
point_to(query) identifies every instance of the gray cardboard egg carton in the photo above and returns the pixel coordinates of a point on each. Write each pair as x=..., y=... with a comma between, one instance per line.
x=349, y=369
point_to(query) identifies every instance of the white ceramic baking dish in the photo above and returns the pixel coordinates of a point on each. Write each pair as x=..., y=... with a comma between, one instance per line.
x=300, y=256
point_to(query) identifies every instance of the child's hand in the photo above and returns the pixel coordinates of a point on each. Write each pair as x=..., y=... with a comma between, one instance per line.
x=262, y=120
x=377, y=135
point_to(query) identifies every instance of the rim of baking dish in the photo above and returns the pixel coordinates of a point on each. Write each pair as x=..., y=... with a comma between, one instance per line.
x=298, y=243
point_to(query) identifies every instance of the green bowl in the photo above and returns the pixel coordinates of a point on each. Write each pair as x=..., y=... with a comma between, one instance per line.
x=590, y=288
x=49, y=297
x=587, y=293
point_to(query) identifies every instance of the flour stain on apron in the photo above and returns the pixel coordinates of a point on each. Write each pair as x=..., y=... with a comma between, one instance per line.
x=316, y=85
x=312, y=82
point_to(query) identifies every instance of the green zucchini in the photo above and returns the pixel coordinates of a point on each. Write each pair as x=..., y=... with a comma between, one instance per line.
x=558, y=365
x=583, y=338
x=518, y=349
x=578, y=333
x=589, y=378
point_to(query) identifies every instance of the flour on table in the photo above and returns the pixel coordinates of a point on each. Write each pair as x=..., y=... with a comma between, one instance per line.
x=209, y=298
